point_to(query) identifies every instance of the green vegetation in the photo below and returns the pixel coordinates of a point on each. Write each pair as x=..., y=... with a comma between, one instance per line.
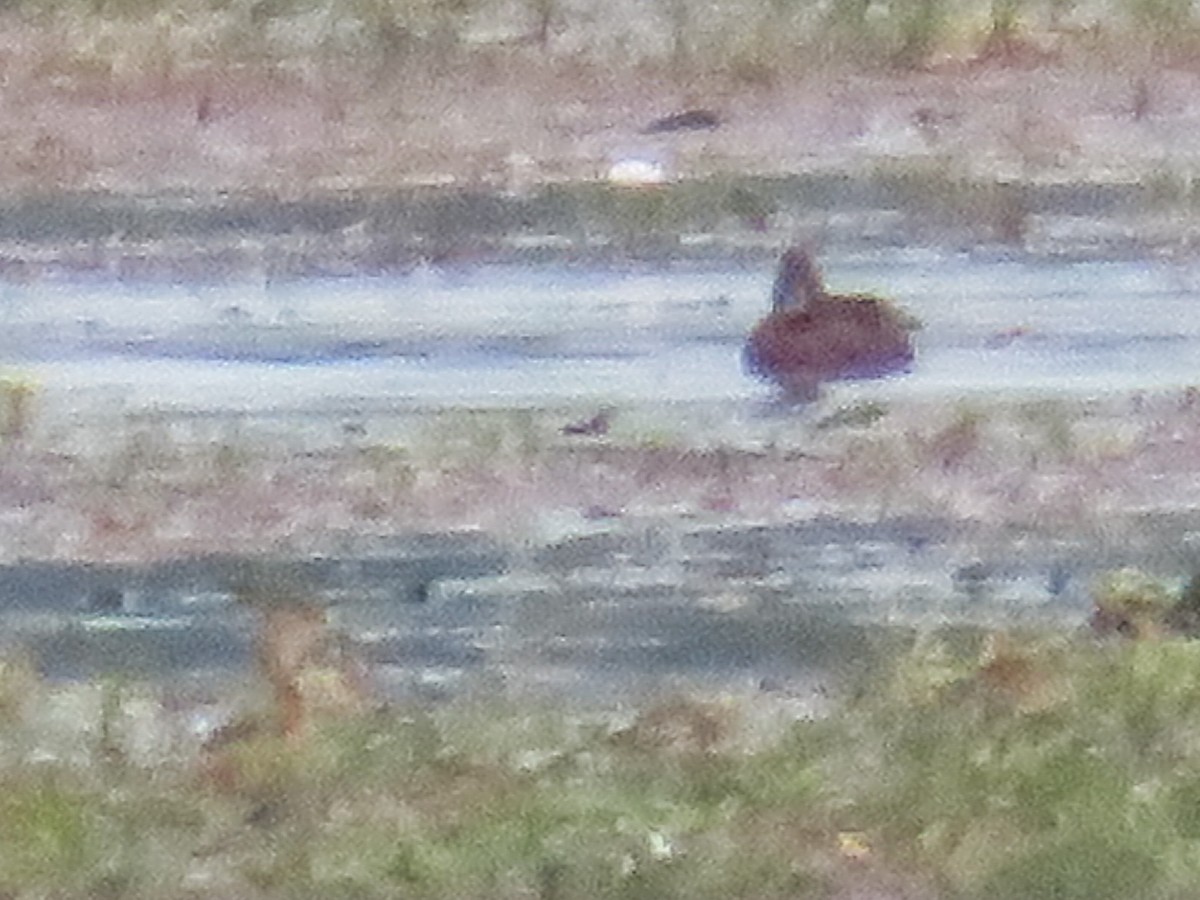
x=18, y=396
x=937, y=196
x=971, y=764
x=1133, y=603
x=749, y=40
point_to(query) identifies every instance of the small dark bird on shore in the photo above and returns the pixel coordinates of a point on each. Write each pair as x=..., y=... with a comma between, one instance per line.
x=812, y=336
x=596, y=426
x=689, y=120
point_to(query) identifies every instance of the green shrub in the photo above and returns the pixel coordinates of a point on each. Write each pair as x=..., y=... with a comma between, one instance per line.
x=1091, y=792
x=18, y=396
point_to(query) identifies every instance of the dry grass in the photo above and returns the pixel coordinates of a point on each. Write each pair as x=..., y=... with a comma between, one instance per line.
x=294, y=100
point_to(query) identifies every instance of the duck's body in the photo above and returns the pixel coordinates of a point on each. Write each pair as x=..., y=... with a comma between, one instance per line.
x=812, y=336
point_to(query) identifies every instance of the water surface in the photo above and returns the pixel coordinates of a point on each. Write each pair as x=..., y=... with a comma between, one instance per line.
x=553, y=336
x=516, y=336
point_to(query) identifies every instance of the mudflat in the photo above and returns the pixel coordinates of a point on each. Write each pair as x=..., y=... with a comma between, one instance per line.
x=1118, y=471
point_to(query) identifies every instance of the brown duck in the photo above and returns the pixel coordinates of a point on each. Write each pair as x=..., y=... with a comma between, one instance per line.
x=813, y=336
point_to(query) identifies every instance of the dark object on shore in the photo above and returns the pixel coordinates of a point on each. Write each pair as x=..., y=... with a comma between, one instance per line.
x=690, y=120
x=1139, y=606
x=596, y=426
x=204, y=109
x=812, y=336
x=1141, y=98
x=1184, y=617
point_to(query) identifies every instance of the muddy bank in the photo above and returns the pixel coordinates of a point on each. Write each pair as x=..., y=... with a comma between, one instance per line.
x=490, y=551
x=615, y=609
x=265, y=170
x=146, y=488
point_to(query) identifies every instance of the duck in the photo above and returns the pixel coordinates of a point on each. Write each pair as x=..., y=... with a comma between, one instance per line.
x=812, y=336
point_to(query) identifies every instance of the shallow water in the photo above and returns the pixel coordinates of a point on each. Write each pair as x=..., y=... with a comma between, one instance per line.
x=514, y=336
x=501, y=336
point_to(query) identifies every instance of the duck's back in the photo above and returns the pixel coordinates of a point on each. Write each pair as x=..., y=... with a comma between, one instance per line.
x=835, y=336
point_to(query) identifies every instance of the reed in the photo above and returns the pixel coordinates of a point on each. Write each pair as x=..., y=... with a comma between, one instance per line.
x=753, y=41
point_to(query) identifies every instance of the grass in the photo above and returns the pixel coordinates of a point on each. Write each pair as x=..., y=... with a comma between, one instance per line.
x=18, y=399
x=965, y=765
x=753, y=41
x=471, y=802
x=1084, y=789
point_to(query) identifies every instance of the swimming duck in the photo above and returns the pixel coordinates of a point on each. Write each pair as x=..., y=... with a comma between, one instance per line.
x=812, y=336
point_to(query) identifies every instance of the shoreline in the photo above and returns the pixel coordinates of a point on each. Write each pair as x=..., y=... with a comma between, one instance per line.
x=149, y=488
x=299, y=168
x=256, y=235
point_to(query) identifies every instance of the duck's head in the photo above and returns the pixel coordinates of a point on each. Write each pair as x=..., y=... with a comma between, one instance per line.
x=798, y=281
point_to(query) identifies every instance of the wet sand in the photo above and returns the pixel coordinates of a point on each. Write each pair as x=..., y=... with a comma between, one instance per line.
x=596, y=567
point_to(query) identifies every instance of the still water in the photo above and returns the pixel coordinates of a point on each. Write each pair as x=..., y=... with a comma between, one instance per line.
x=508, y=336
x=519, y=336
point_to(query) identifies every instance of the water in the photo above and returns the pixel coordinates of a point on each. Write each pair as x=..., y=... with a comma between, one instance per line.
x=504, y=336
x=512, y=336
